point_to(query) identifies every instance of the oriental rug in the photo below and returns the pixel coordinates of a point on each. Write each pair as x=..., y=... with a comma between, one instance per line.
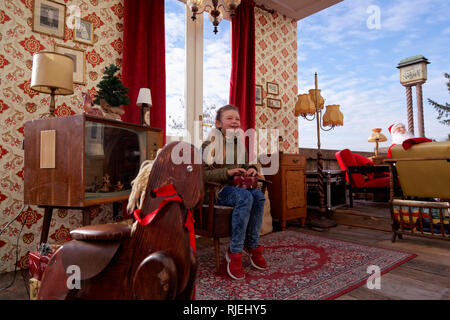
x=300, y=267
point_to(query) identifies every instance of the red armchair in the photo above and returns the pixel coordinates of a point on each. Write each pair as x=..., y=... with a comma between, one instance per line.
x=362, y=175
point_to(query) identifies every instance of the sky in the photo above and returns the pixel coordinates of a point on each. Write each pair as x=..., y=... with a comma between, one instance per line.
x=356, y=66
x=354, y=52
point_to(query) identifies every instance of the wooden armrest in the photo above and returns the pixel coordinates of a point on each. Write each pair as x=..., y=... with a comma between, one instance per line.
x=367, y=169
x=264, y=181
x=212, y=184
x=415, y=159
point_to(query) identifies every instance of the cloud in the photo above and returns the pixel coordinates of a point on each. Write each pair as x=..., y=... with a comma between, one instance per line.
x=175, y=28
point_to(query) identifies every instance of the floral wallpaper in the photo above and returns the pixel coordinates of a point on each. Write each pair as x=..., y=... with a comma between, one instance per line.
x=19, y=104
x=276, y=62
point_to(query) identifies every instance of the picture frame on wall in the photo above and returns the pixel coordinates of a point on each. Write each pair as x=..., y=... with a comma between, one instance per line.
x=272, y=88
x=49, y=17
x=79, y=62
x=258, y=95
x=274, y=103
x=83, y=31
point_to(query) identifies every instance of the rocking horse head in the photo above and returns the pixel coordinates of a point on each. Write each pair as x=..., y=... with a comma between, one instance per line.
x=179, y=164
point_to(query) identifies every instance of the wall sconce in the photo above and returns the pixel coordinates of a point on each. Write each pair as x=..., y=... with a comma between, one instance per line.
x=214, y=8
x=52, y=73
x=144, y=101
x=376, y=137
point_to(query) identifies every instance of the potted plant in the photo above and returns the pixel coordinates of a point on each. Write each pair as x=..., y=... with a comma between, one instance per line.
x=112, y=94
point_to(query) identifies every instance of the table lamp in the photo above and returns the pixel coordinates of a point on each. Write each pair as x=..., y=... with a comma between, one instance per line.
x=144, y=101
x=52, y=73
x=376, y=137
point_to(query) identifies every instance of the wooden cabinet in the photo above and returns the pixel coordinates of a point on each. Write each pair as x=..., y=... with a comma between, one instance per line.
x=287, y=192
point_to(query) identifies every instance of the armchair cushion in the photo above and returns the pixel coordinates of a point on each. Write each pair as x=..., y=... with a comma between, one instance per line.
x=377, y=183
x=346, y=159
x=362, y=161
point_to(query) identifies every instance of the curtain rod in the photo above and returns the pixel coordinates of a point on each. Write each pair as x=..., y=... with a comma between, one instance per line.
x=261, y=6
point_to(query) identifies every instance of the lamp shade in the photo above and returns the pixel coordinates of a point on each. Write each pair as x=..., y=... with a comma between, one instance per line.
x=144, y=96
x=195, y=4
x=320, y=102
x=52, y=70
x=377, y=136
x=304, y=105
x=333, y=116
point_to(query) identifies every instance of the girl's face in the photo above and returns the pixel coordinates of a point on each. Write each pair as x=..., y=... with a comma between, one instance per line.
x=229, y=120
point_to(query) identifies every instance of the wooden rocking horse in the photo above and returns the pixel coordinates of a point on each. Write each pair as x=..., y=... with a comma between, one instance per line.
x=154, y=259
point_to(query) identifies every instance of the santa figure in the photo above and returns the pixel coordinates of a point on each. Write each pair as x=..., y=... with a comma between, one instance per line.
x=399, y=135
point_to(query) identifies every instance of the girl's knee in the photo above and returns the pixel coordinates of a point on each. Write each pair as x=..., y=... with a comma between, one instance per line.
x=258, y=195
x=245, y=197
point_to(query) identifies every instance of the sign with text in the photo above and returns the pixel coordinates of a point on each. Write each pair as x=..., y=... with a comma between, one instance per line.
x=415, y=72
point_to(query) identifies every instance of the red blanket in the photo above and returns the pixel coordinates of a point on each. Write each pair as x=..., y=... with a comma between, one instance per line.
x=408, y=143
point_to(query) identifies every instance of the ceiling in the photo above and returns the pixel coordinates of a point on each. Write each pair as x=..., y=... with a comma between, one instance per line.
x=297, y=9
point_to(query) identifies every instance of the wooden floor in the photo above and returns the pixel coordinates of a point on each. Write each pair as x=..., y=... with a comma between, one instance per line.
x=426, y=277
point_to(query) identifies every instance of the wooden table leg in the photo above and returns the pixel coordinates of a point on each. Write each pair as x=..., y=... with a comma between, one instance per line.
x=48, y=211
x=117, y=206
x=303, y=221
x=86, y=217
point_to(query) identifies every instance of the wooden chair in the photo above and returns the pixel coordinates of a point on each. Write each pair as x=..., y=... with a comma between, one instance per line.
x=214, y=221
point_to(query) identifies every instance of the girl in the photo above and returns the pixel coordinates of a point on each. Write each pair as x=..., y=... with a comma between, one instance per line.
x=219, y=151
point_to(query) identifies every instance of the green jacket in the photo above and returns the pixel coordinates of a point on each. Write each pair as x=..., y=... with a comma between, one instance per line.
x=217, y=172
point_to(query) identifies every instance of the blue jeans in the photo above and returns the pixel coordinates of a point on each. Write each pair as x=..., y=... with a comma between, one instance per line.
x=247, y=215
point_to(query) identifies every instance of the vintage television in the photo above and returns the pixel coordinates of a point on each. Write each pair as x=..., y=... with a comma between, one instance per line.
x=81, y=160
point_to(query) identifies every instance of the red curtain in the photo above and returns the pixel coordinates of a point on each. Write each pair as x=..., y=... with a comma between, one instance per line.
x=242, y=83
x=144, y=64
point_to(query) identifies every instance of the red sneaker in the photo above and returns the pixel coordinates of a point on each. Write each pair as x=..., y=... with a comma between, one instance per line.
x=256, y=257
x=234, y=265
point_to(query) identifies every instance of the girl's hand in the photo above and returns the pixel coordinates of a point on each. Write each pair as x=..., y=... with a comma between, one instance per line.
x=236, y=172
x=252, y=172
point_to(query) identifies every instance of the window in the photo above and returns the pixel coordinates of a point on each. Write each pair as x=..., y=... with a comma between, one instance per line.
x=195, y=53
x=175, y=35
x=216, y=69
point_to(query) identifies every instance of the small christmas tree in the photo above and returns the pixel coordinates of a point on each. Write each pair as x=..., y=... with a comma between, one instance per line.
x=112, y=89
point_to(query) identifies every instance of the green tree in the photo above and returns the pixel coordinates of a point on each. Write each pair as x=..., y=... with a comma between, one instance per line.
x=443, y=110
x=112, y=89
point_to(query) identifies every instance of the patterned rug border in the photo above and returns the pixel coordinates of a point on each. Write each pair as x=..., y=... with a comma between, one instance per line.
x=351, y=288
x=409, y=256
x=336, y=239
